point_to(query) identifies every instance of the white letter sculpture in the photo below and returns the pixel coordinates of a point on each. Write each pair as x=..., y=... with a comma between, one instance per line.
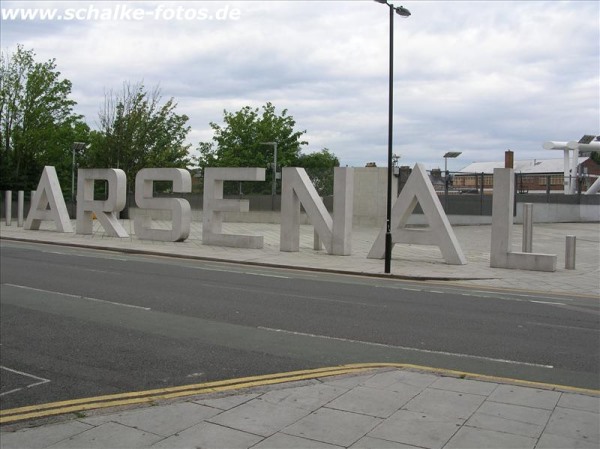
x=215, y=205
x=181, y=212
x=419, y=190
x=48, y=193
x=501, y=255
x=105, y=211
x=297, y=189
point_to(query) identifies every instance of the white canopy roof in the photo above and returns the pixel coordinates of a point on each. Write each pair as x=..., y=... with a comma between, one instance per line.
x=529, y=166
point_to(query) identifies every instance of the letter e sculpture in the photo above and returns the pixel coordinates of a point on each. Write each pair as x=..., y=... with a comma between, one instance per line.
x=214, y=207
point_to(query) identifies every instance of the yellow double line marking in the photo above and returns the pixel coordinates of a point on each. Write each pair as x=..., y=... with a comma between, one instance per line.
x=149, y=396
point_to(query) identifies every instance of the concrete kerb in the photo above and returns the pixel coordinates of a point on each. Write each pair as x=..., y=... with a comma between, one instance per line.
x=249, y=263
x=36, y=415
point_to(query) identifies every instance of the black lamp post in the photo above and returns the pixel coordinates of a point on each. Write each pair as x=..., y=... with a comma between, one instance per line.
x=388, y=232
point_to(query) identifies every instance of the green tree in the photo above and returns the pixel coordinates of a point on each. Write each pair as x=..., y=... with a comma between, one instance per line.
x=138, y=130
x=37, y=123
x=319, y=167
x=240, y=143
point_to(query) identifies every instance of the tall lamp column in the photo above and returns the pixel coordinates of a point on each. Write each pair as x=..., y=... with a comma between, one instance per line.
x=388, y=226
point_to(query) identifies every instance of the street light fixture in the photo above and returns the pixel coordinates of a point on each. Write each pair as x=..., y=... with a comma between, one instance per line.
x=451, y=155
x=388, y=232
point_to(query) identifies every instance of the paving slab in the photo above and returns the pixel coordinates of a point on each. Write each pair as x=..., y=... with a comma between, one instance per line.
x=284, y=441
x=372, y=401
x=417, y=429
x=449, y=404
x=333, y=426
x=376, y=443
x=210, y=436
x=165, y=420
x=347, y=382
x=548, y=441
x=464, y=385
x=576, y=424
x=514, y=419
x=41, y=437
x=260, y=417
x=531, y=397
x=308, y=397
x=109, y=435
x=226, y=402
x=580, y=402
x=472, y=438
x=397, y=380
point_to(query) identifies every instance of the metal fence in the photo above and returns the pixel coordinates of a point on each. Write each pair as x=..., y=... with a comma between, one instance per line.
x=453, y=201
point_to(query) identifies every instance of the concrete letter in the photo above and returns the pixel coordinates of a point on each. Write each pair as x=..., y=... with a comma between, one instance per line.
x=335, y=233
x=48, y=193
x=215, y=205
x=181, y=213
x=105, y=211
x=419, y=190
x=501, y=254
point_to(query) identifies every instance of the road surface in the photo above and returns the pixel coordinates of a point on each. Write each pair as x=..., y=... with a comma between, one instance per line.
x=79, y=323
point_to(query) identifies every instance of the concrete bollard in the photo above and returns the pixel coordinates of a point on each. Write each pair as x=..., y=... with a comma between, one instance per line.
x=8, y=207
x=570, y=252
x=317, y=245
x=20, y=207
x=527, y=227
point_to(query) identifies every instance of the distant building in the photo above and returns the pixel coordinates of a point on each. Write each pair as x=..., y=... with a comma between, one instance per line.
x=537, y=175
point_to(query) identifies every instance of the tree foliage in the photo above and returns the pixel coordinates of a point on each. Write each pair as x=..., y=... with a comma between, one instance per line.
x=241, y=142
x=319, y=167
x=37, y=123
x=138, y=130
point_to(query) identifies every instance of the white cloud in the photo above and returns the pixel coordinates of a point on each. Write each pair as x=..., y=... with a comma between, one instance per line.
x=477, y=77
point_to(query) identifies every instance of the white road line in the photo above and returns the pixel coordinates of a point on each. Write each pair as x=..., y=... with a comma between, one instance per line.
x=40, y=380
x=548, y=302
x=68, y=295
x=219, y=270
x=562, y=326
x=266, y=275
x=453, y=354
x=89, y=256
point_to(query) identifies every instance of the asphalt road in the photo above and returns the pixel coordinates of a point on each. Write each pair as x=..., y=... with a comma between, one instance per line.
x=79, y=323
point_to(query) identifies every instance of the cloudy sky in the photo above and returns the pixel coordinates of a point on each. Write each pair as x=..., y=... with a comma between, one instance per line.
x=476, y=77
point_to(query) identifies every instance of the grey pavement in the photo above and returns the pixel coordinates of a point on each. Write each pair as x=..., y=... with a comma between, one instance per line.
x=383, y=408
x=380, y=408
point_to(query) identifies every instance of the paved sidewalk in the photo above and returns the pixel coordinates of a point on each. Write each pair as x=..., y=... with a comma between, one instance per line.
x=382, y=408
x=409, y=261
